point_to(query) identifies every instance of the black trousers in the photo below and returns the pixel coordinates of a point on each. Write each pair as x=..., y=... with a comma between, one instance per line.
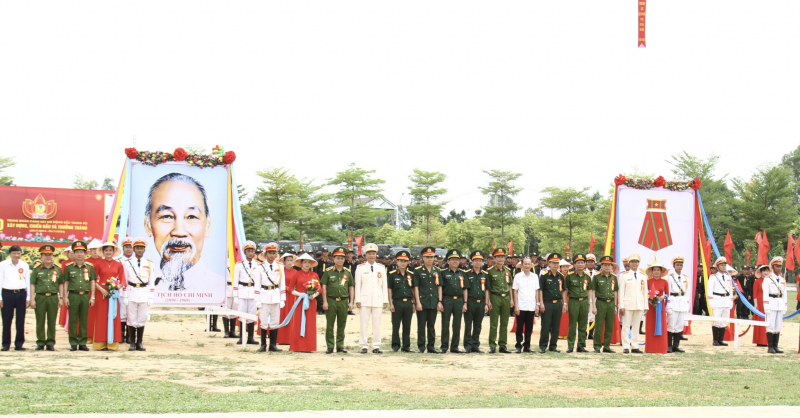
x=524, y=321
x=13, y=303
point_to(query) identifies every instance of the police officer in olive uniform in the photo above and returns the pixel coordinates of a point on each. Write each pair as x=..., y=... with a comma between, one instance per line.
x=428, y=298
x=479, y=287
x=337, y=288
x=577, y=284
x=602, y=296
x=47, y=300
x=77, y=277
x=553, y=296
x=401, y=301
x=454, y=301
x=501, y=303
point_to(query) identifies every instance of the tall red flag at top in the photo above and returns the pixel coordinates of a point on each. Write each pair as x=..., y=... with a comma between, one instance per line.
x=728, y=248
x=797, y=254
x=642, y=13
x=789, y=254
x=591, y=244
x=748, y=257
x=763, y=248
x=359, y=241
x=510, y=246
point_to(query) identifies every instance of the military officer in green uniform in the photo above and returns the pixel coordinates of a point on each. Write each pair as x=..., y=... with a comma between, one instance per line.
x=553, y=296
x=501, y=303
x=428, y=298
x=47, y=300
x=77, y=278
x=454, y=301
x=337, y=295
x=577, y=284
x=479, y=287
x=401, y=301
x=602, y=296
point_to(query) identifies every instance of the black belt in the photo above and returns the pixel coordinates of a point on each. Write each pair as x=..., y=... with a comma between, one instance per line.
x=404, y=299
x=246, y=284
x=476, y=300
x=14, y=290
x=606, y=300
x=338, y=299
x=720, y=294
x=676, y=294
x=78, y=293
x=268, y=287
x=138, y=284
x=578, y=299
x=775, y=296
x=47, y=294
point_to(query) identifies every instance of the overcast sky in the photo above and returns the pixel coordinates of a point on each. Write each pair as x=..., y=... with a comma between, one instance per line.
x=556, y=90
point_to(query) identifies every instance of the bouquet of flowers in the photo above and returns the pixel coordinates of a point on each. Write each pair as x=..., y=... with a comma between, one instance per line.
x=113, y=286
x=312, y=286
x=654, y=298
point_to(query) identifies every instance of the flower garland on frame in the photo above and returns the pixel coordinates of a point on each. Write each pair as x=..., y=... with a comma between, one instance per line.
x=218, y=157
x=649, y=183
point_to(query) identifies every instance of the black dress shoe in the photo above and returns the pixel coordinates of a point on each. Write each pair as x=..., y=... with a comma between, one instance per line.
x=364, y=351
x=104, y=349
x=518, y=350
x=597, y=350
x=329, y=351
x=582, y=350
x=377, y=351
x=636, y=351
x=406, y=350
x=83, y=348
x=608, y=350
x=395, y=349
x=624, y=351
x=20, y=348
x=684, y=338
x=476, y=350
x=39, y=347
x=569, y=350
x=420, y=350
x=553, y=350
x=527, y=350
x=434, y=351
x=458, y=351
x=351, y=313
x=73, y=348
x=50, y=348
x=492, y=350
x=541, y=351
x=5, y=348
x=341, y=350
x=504, y=350
x=443, y=350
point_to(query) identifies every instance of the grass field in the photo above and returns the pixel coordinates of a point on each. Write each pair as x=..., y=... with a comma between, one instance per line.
x=187, y=370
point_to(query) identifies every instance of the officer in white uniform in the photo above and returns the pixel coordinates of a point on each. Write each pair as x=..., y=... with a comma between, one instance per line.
x=140, y=274
x=775, y=302
x=677, y=305
x=246, y=275
x=632, y=303
x=372, y=297
x=720, y=299
x=272, y=298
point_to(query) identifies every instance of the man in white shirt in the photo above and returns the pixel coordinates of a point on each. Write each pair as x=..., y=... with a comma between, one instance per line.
x=246, y=275
x=632, y=303
x=272, y=297
x=720, y=299
x=372, y=297
x=526, y=283
x=141, y=275
x=15, y=277
x=677, y=305
x=775, y=303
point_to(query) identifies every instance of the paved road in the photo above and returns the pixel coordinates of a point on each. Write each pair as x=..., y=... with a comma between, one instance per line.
x=703, y=411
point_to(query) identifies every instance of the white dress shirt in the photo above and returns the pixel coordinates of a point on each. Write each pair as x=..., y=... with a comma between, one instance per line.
x=16, y=276
x=526, y=287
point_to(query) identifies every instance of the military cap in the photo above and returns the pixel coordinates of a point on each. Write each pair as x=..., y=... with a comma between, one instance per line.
x=579, y=257
x=249, y=245
x=79, y=245
x=402, y=255
x=556, y=257
x=777, y=260
x=634, y=257
x=127, y=241
x=339, y=251
x=271, y=246
x=370, y=247
x=677, y=259
x=453, y=254
x=499, y=252
x=476, y=254
x=46, y=249
x=139, y=242
x=591, y=257
x=428, y=251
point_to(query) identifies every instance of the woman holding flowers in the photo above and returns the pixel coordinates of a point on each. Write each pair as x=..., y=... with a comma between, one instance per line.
x=656, y=340
x=284, y=334
x=304, y=339
x=107, y=295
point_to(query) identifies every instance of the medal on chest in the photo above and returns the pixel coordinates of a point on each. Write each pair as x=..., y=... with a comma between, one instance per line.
x=461, y=281
x=54, y=276
x=436, y=279
x=344, y=279
x=613, y=282
x=506, y=277
x=642, y=284
x=483, y=284
x=585, y=284
x=408, y=279
x=86, y=274
x=21, y=275
x=560, y=286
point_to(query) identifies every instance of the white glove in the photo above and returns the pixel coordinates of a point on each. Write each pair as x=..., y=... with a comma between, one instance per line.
x=149, y=302
x=125, y=301
x=282, y=304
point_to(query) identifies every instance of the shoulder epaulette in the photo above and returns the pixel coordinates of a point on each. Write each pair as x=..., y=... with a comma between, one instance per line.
x=69, y=264
x=393, y=271
x=329, y=268
x=484, y=271
x=349, y=268
x=86, y=262
x=417, y=267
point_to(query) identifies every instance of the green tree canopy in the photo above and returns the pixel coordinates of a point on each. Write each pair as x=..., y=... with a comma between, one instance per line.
x=356, y=190
x=6, y=162
x=502, y=209
x=425, y=195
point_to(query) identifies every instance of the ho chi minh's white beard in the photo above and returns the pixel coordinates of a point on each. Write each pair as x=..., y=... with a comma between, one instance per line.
x=174, y=265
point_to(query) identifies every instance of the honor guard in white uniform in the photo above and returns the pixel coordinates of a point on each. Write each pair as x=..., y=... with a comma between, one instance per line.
x=247, y=275
x=677, y=305
x=140, y=274
x=632, y=303
x=371, y=297
x=720, y=299
x=127, y=254
x=775, y=302
x=272, y=296
x=231, y=302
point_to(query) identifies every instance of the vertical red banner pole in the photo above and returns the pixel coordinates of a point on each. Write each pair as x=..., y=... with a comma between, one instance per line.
x=642, y=13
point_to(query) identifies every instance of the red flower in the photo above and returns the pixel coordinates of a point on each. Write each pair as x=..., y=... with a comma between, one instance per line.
x=660, y=181
x=180, y=154
x=229, y=157
x=696, y=183
x=131, y=153
x=619, y=180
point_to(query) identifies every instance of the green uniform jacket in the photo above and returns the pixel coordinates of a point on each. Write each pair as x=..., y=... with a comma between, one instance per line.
x=551, y=284
x=605, y=287
x=500, y=280
x=428, y=283
x=401, y=285
x=578, y=286
x=453, y=282
x=337, y=282
x=46, y=279
x=477, y=284
x=78, y=279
